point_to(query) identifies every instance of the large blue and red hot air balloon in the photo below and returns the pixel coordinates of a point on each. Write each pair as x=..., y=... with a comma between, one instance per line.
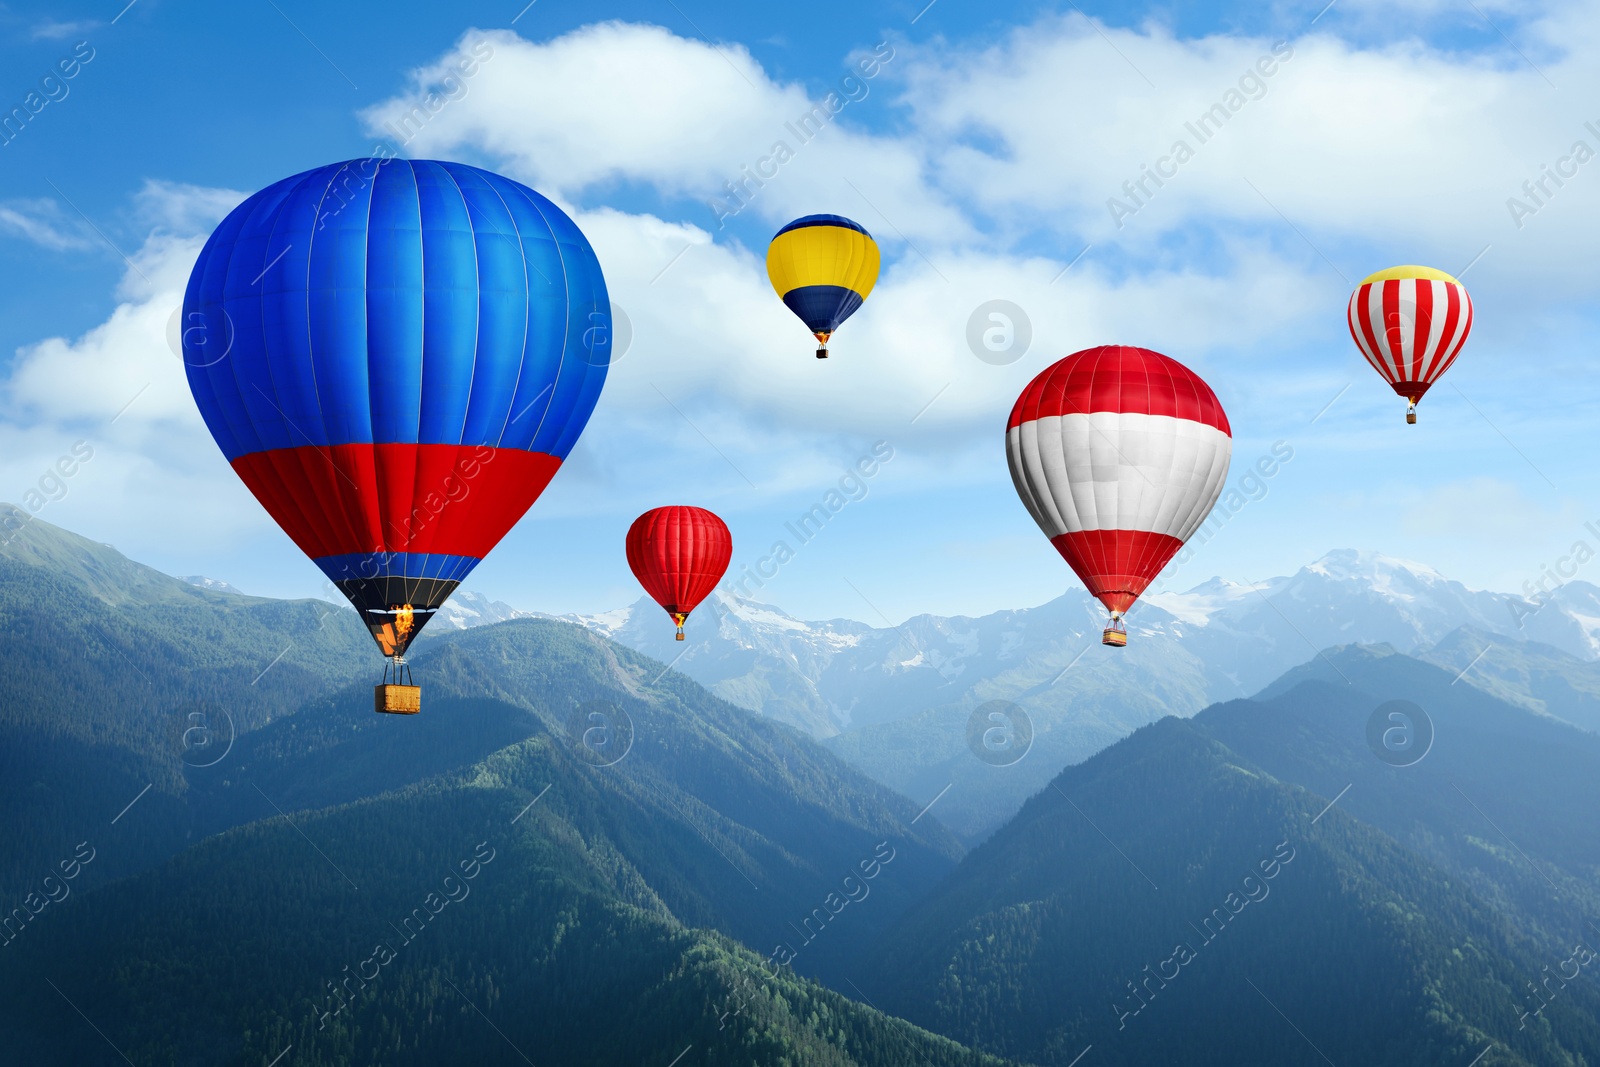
x=396, y=356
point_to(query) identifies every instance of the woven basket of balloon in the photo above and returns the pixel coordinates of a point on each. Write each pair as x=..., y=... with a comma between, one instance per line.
x=397, y=699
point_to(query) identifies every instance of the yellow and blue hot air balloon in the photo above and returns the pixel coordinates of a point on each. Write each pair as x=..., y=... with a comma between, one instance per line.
x=823, y=266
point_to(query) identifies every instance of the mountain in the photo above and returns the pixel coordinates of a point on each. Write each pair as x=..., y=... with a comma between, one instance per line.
x=216, y=585
x=1255, y=885
x=1534, y=675
x=745, y=821
x=577, y=854
x=748, y=653
x=898, y=702
x=486, y=916
x=195, y=888
x=466, y=608
x=119, y=678
x=1476, y=805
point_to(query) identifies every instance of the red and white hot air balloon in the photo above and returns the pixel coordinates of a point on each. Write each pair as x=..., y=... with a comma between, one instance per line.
x=679, y=554
x=1410, y=323
x=1119, y=454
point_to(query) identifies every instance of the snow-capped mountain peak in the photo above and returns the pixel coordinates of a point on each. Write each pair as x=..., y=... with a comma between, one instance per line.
x=466, y=609
x=1233, y=637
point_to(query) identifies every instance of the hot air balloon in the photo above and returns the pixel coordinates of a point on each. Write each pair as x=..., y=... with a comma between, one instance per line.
x=1119, y=454
x=823, y=266
x=1410, y=323
x=679, y=554
x=395, y=356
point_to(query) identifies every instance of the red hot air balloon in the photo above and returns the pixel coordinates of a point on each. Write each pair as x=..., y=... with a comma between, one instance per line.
x=1410, y=323
x=679, y=554
x=1119, y=454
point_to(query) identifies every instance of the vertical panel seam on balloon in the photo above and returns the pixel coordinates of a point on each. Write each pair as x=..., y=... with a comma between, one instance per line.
x=335, y=517
x=561, y=360
x=366, y=332
x=422, y=335
x=527, y=319
x=477, y=326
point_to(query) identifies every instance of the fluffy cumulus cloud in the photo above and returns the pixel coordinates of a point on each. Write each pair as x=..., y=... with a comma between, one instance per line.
x=984, y=171
x=118, y=392
x=687, y=118
x=1402, y=146
x=45, y=224
x=706, y=323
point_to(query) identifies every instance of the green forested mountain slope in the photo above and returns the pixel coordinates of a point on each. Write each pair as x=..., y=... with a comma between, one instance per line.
x=482, y=917
x=313, y=828
x=741, y=823
x=1357, y=948
x=1537, y=676
x=1505, y=799
x=116, y=676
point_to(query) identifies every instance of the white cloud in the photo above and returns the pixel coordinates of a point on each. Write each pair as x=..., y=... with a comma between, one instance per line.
x=1404, y=145
x=686, y=117
x=997, y=169
x=181, y=208
x=43, y=223
x=94, y=376
x=53, y=30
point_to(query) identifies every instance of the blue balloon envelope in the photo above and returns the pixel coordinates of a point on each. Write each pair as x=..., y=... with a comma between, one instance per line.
x=396, y=356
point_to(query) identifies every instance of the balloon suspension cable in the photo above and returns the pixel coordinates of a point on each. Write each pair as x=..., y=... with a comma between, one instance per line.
x=402, y=671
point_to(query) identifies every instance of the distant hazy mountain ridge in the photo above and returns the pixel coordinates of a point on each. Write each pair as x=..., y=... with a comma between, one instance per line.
x=895, y=701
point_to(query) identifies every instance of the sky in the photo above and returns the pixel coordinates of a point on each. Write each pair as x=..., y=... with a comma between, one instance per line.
x=983, y=151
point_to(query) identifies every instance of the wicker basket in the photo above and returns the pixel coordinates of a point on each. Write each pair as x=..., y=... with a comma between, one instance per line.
x=397, y=699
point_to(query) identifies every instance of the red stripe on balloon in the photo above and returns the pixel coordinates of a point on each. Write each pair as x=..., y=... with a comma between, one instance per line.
x=1368, y=337
x=456, y=500
x=1393, y=335
x=1117, y=565
x=1422, y=331
x=1457, y=324
x=1121, y=379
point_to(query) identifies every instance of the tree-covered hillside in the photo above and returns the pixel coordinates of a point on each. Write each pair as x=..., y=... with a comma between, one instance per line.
x=481, y=917
x=1171, y=900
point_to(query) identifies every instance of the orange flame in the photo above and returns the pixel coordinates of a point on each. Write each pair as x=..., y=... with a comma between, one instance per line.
x=393, y=636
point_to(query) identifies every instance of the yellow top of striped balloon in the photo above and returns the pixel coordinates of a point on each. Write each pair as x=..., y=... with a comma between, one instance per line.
x=1431, y=274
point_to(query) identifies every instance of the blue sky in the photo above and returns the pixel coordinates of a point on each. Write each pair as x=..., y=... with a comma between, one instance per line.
x=981, y=155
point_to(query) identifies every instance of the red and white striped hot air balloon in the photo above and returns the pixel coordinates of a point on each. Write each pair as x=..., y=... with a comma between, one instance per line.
x=1119, y=454
x=1410, y=323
